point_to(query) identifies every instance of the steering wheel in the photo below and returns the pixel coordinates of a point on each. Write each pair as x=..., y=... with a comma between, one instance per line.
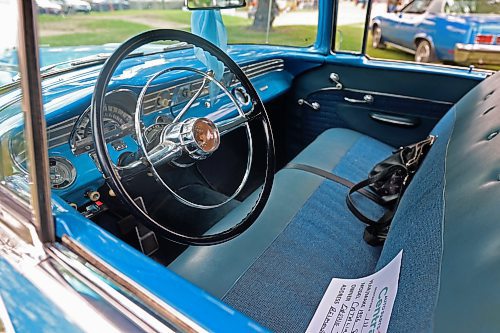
x=184, y=139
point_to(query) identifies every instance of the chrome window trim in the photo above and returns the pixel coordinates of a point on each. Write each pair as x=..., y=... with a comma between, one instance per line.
x=168, y=312
x=16, y=218
x=133, y=311
x=35, y=126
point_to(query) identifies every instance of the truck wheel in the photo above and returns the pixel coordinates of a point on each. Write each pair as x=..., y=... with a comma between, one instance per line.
x=424, y=52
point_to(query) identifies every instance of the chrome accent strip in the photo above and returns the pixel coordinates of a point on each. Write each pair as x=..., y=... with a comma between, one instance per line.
x=252, y=71
x=402, y=48
x=16, y=222
x=164, y=309
x=91, y=279
x=376, y=93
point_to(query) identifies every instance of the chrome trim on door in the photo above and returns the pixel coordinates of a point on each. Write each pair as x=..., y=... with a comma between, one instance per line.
x=149, y=299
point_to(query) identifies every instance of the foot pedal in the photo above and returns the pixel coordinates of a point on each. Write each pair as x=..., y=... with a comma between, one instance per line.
x=147, y=238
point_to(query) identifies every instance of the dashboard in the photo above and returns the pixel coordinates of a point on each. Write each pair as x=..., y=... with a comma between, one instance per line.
x=74, y=170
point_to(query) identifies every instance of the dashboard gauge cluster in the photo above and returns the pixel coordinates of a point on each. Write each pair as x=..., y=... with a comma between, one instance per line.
x=62, y=173
x=117, y=124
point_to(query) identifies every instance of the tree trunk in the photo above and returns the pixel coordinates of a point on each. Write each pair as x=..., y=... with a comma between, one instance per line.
x=261, y=15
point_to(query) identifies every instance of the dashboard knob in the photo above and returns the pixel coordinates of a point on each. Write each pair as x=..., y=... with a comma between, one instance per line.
x=93, y=195
x=241, y=95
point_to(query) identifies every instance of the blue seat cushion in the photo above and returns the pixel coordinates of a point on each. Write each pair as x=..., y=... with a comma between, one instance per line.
x=304, y=212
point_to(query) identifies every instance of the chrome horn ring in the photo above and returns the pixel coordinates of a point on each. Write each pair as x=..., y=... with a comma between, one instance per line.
x=183, y=136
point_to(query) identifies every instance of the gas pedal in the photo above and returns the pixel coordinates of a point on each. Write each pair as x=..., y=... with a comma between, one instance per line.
x=147, y=238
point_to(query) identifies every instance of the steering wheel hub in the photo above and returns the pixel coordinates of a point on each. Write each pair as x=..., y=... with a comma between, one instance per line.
x=198, y=137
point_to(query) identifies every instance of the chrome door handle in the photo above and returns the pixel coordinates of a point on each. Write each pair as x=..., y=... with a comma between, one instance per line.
x=366, y=99
x=314, y=105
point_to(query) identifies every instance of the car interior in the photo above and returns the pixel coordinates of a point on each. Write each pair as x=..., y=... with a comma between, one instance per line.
x=227, y=210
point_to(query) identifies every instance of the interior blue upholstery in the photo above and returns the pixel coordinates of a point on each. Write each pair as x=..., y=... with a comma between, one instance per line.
x=323, y=240
x=417, y=230
x=292, y=189
x=446, y=224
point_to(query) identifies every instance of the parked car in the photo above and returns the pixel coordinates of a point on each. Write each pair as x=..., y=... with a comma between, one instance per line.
x=459, y=31
x=48, y=7
x=107, y=5
x=195, y=186
x=74, y=6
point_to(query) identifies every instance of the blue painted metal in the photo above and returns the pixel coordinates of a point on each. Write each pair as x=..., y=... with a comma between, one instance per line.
x=405, y=66
x=188, y=299
x=442, y=30
x=325, y=27
x=28, y=308
x=69, y=95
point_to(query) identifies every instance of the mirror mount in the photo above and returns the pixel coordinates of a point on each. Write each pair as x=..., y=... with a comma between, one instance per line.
x=213, y=4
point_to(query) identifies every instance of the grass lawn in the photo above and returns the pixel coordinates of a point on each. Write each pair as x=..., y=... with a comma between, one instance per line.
x=115, y=27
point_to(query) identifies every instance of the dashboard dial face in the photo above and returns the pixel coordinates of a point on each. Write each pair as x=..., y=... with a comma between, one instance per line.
x=117, y=123
x=62, y=173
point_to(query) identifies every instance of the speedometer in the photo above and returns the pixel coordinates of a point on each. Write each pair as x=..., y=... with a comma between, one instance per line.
x=117, y=123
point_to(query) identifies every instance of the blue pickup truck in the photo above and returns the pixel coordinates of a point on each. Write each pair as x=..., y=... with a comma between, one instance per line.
x=460, y=31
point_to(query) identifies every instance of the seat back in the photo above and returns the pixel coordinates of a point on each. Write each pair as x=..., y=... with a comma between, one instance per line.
x=448, y=224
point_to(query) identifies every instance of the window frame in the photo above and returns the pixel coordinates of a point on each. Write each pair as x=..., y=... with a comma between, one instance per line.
x=32, y=222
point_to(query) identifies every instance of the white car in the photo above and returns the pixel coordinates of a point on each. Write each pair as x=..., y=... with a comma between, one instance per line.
x=48, y=7
x=75, y=6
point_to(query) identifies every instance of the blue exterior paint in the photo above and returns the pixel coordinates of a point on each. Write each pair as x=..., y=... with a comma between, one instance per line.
x=28, y=308
x=442, y=30
x=70, y=94
x=188, y=299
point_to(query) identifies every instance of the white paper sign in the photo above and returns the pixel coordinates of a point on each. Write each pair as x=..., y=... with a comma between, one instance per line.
x=358, y=305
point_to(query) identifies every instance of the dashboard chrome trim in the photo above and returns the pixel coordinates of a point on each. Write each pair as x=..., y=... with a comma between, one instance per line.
x=252, y=71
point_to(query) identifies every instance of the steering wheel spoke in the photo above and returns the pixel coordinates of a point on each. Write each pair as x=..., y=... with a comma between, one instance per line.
x=187, y=139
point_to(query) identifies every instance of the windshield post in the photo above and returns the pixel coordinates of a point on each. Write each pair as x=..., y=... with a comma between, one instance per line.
x=367, y=26
x=35, y=127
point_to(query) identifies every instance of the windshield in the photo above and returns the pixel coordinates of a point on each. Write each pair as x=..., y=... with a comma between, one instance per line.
x=87, y=30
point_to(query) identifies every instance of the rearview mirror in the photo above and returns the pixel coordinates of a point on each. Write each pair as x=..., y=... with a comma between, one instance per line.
x=214, y=4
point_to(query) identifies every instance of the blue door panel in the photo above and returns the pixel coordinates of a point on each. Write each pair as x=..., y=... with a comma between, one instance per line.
x=420, y=104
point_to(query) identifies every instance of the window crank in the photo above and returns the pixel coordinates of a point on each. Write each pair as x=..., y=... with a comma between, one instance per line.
x=314, y=105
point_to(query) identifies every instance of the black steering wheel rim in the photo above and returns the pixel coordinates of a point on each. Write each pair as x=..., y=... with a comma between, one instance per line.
x=96, y=118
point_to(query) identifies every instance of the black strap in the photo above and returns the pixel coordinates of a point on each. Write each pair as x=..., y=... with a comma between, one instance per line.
x=387, y=217
x=340, y=180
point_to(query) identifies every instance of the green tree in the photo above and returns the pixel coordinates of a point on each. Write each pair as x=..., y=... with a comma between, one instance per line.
x=262, y=15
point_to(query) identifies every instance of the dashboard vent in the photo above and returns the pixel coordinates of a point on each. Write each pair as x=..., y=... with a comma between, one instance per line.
x=60, y=133
x=263, y=67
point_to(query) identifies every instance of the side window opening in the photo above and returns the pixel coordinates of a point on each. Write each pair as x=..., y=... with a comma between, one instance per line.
x=448, y=32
